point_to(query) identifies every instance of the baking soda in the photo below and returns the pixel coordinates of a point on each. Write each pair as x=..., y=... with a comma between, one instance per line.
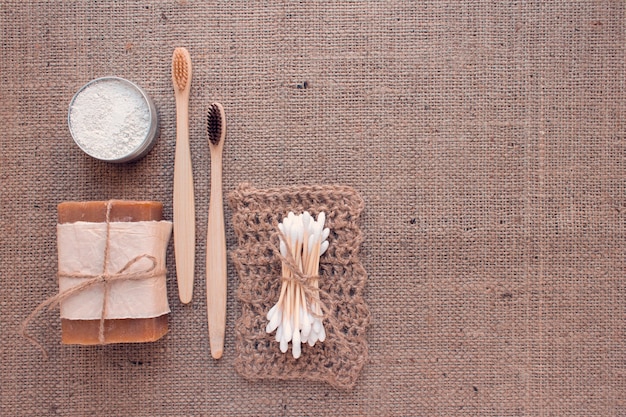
x=109, y=119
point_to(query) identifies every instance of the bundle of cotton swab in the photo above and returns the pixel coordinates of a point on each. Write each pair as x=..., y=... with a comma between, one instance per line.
x=297, y=316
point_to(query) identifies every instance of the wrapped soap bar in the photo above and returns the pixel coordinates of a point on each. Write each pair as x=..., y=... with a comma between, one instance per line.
x=112, y=261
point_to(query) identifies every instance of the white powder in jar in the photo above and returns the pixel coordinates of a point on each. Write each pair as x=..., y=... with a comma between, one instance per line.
x=109, y=119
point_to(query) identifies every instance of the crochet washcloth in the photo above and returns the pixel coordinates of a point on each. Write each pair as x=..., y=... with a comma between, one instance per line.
x=256, y=213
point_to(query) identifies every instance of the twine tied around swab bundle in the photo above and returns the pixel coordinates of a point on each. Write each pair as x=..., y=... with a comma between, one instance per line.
x=105, y=278
x=296, y=275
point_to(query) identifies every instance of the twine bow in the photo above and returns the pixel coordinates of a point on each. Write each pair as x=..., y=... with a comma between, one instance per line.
x=311, y=291
x=105, y=278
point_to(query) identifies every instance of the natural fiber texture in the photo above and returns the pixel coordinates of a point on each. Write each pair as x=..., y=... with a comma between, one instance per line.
x=256, y=214
x=487, y=140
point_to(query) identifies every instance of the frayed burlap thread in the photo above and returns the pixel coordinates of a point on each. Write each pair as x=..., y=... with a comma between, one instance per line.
x=256, y=212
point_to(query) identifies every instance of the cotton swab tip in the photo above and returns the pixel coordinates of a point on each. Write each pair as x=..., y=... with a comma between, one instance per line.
x=296, y=348
x=322, y=334
x=274, y=322
x=284, y=345
x=287, y=331
x=306, y=219
x=270, y=313
x=279, y=334
x=317, y=325
x=323, y=247
x=321, y=218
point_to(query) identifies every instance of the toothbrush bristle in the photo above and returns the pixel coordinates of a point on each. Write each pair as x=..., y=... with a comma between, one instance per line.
x=214, y=123
x=180, y=68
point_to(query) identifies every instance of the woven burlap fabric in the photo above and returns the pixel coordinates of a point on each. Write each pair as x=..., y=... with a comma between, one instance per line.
x=487, y=140
x=256, y=214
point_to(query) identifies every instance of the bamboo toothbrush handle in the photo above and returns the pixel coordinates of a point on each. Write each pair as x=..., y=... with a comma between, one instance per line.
x=183, y=204
x=216, y=260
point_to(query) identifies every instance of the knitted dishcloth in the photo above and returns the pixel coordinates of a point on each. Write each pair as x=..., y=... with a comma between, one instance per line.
x=256, y=213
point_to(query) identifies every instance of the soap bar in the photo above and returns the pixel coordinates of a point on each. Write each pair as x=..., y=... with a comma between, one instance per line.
x=85, y=332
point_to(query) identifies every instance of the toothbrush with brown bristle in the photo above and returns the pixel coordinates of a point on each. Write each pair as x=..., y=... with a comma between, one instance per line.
x=216, y=238
x=183, y=204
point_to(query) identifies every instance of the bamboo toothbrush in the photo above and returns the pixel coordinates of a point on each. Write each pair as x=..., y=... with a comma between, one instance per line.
x=183, y=204
x=216, y=239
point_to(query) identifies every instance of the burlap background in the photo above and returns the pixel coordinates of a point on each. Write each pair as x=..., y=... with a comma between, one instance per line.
x=486, y=138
